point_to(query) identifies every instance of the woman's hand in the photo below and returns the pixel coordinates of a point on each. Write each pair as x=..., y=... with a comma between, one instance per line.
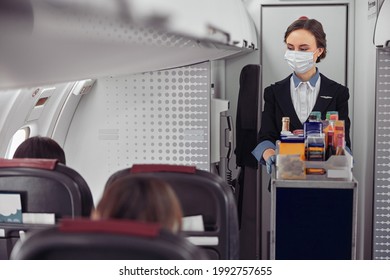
x=270, y=159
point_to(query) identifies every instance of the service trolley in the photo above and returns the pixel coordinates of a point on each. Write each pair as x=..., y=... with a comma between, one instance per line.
x=315, y=218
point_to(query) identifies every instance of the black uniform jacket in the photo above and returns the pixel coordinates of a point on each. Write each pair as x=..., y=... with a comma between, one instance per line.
x=278, y=103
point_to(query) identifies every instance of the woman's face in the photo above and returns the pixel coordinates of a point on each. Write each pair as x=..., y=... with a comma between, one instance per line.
x=303, y=40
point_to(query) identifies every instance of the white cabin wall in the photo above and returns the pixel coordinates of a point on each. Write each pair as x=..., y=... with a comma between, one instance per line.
x=7, y=108
x=19, y=110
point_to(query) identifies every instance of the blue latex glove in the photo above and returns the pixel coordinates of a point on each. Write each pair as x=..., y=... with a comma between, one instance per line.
x=348, y=150
x=270, y=161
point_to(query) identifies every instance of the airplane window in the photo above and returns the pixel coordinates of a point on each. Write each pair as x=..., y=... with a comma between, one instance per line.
x=19, y=136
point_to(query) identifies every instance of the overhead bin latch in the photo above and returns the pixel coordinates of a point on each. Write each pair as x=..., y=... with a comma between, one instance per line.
x=83, y=87
x=382, y=31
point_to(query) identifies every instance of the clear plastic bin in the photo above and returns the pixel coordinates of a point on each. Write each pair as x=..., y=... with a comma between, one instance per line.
x=292, y=167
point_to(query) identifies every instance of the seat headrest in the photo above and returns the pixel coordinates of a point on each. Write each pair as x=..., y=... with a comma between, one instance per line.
x=49, y=164
x=124, y=227
x=145, y=168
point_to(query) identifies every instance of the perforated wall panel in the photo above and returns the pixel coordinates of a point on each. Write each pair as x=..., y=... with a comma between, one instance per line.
x=381, y=223
x=153, y=117
x=159, y=117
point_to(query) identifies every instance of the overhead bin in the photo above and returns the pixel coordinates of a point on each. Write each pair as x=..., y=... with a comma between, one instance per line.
x=47, y=41
x=222, y=21
x=382, y=30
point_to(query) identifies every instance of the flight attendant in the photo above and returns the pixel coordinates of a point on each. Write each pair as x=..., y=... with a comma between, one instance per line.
x=302, y=92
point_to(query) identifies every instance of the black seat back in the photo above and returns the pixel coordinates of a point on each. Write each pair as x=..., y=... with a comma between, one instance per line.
x=45, y=186
x=200, y=193
x=83, y=239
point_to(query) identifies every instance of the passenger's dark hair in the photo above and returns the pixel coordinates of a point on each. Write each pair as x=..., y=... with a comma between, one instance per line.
x=314, y=27
x=141, y=198
x=40, y=147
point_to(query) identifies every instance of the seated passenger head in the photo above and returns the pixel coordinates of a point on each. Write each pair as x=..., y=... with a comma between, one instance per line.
x=40, y=147
x=140, y=198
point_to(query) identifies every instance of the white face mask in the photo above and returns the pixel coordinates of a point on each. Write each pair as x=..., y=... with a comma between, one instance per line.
x=300, y=61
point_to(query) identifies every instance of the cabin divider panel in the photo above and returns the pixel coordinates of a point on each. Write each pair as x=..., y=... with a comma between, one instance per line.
x=158, y=117
x=381, y=221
